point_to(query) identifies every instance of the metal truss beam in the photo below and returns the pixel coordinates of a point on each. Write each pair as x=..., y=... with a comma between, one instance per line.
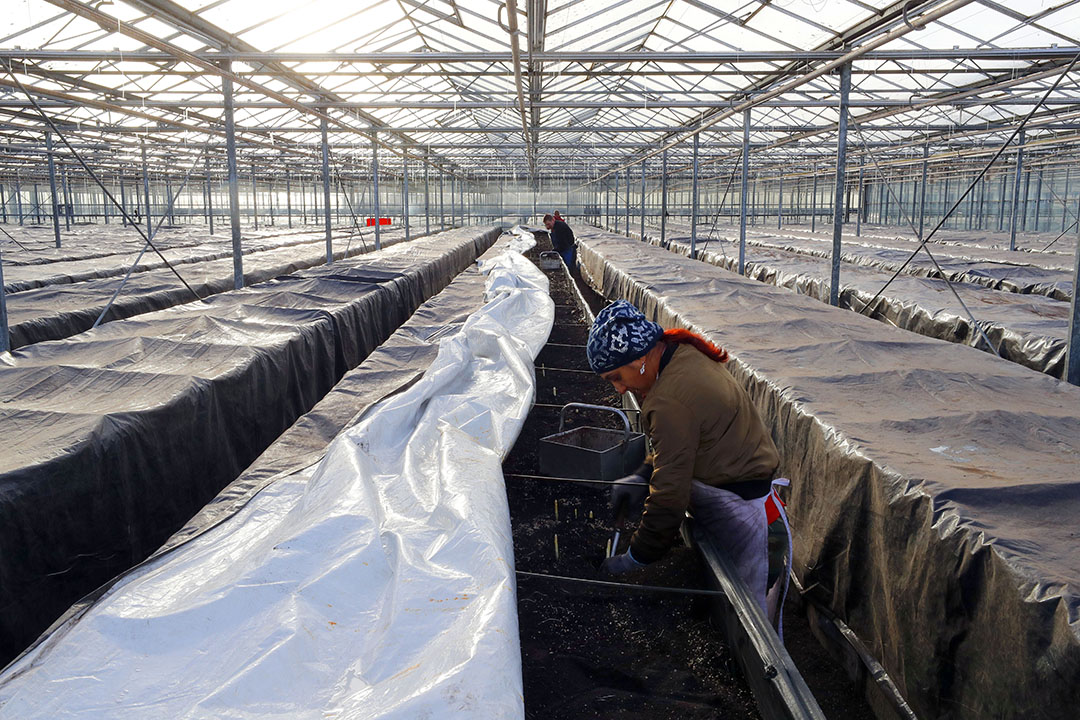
x=1024, y=55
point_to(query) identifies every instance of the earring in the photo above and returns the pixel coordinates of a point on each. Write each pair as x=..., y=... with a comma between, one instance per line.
x=642, y=370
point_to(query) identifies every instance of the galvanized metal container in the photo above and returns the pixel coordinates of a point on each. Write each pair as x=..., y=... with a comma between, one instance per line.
x=592, y=453
x=550, y=260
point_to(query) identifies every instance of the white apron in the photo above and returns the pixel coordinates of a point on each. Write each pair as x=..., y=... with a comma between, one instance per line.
x=740, y=526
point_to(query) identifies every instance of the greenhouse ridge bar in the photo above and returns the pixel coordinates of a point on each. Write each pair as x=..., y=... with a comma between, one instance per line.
x=912, y=162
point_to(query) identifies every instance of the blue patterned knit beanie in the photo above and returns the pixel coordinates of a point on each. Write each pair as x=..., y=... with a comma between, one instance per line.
x=619, y=335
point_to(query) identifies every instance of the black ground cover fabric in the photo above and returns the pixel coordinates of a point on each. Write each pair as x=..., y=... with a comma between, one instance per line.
x=61, y=310
x=114, y=439
x=935, y=488
x=1026, y=329
x=78, y=264
x=999, y=269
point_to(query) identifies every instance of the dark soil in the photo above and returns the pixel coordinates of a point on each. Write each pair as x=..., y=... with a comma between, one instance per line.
x=589, y=651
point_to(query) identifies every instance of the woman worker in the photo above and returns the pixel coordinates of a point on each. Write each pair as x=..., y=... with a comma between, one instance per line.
x=711, y=453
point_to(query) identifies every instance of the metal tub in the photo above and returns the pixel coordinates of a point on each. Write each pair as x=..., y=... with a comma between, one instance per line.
x=592, y=453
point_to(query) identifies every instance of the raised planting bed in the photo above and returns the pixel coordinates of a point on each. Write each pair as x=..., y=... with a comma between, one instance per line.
x=590, y=650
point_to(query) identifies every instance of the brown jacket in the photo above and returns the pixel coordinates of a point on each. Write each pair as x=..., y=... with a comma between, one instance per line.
x=703, y=427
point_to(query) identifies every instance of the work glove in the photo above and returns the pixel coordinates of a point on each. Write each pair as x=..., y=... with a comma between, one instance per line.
x=628, y=494
x=619, y=564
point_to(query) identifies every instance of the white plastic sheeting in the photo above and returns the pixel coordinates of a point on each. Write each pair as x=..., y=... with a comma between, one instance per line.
x=378, y=583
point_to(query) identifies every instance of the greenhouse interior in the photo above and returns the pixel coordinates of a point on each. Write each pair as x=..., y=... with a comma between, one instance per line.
x=527, y=359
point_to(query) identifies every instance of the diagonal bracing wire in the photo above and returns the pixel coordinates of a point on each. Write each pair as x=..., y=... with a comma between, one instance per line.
x=348, y=202
x=153, y=234
x=720, y=208
x=986, y=168
x=97, y=180
x=911, y=224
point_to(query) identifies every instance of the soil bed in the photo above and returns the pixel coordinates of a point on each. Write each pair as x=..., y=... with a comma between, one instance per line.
x=595, y=652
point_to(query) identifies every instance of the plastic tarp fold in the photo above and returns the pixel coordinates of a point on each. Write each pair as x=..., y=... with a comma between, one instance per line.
x=114, y=438
x=1027, y=329
x=935, y=488
x=376, y=583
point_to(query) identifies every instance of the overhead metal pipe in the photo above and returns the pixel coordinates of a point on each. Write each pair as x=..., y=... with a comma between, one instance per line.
x=583, y=57
x=838, y=192
x=515, y=58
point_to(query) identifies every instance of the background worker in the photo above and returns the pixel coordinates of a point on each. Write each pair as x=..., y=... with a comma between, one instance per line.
x=711, y=452
x=562, y=239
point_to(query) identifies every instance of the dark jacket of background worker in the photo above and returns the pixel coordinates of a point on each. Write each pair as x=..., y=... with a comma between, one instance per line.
x=562, y=239
x=712, y=454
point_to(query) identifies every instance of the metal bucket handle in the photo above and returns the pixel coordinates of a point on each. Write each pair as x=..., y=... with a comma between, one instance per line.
x=605, y=408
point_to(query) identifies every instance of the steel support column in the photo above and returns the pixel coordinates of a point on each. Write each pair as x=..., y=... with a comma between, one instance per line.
x=5, y=338
x=66, y=195
x=18, y=196
x=642, y=237
x=627, y=228
x=663, y=197
x=1065, y=202
x=813, y=204
x=168, y=191
x=326, y=191
x=1016, y=189
x=427, y=193
x=780, y=203
x=375, y=188
x=209, y=197
x=862, y=202
x=146, y=191
x=234, y=180
x=52, y=186
x=841, y=176
x=744, y=183
x=694, y=200
x=922, y=189
x=405, y=193
x=254, y=197
x=1072, y=358
x=288, y=195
